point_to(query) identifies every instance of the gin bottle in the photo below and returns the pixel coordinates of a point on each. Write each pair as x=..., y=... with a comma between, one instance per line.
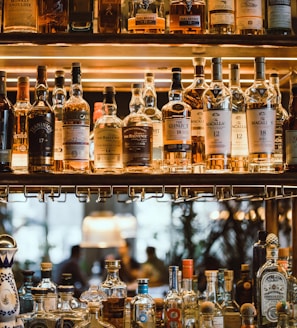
x=193, y=96
x=76, y=127
x=41, y=128
x=20, y=136
x=217, y=103
x=143, y=307
x=176, y=117
x=108, y=136
x=221, y=17
x=261, y=116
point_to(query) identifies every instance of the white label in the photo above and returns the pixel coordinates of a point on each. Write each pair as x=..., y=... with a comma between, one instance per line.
x=190, y=20
x=58, y=154
x=197, y=122
x=218, y=321
x=221, y=5
x=239, y=135
x=291, y=147
x=279, y=14
x=157, y=134
x=222, y=18
x=146, y=19
x=177, y=128
x=249, y=14
x=76, y=142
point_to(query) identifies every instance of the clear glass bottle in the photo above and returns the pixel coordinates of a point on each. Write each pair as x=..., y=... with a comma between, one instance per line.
x=76, y=127
x=206, y=312
x=279, y=17
x=173, y=302
x=7, y=117
x=25, y=295
x=281, y=115
x=59, y=97
x=137, y=135
x=187, y=17
x=81, y=16
x=151, y=110
x=217, y=103
x=41, y=127
x=108, y=152
x=239, y=143
x=193, y=97
x=176, y=117
x=261, y=115
x=20, y=136
x=116, y=291
x=221, y=17
x=143, y=307
x=244, y=286
x=53, y=16
x=249, y=17
x=146, y=16
x=14, y=22
x=248, y=313
x=108, y=18
x=94, y=317
x=272, y=285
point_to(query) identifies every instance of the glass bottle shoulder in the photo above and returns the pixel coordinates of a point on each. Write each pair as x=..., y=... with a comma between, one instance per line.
x=153, y=113
x=108, y=121
x=143, y=299
x=137, y=119
x=260, y=92
x=176, y=107
x=217, y=96
x=41, y=107
x=22, y=106
x=76, y=102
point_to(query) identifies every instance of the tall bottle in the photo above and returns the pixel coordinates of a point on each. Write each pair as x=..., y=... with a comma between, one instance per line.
x=239, y=144
x=176, y=117
x=193, y=96
x=152, y=111
x=137, y=135
x=116, y=291
x=143, y=307
x=217, y=103
x=41, y=127
x=7, y=117
x=281, y=115
x=261, y=116
x=59, y=97
x=81, y=16
x=279, y=17
x=221, y=17
x=76, y=127
x=173, y=302
x=272, y=285
x=249, y=17
x=108, y=152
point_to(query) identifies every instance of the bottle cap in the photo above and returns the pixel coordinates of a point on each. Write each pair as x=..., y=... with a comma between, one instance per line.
x=2, y=74
x=245, y=267
x=149, y=74
x=216, y=60
x=199, y=61
x=187, y=267
x=109, y=89
x=260, y=59
x=23, y=79
x=176, y=70
x=272, y=239
x=228, y=274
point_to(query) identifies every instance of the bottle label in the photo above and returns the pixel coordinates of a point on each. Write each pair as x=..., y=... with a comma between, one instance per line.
x=146, y=19
x=190, y=20
x=279, y=14
x=273, y=289
x=197, y=123
x=157, y=134
x=5, y=155
x=218, y=322
x=58, y=141
x=291, y=147
x=239, y=135
x=232, y=319
x=249, y=14
x=221, y=5
x=177, y=129
x=261, y=127
x=76, y=142
x=173, y=318
x=12, y=17
x=222, y=19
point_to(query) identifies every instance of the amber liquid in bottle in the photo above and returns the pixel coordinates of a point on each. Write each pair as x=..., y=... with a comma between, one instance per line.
x=109, y=16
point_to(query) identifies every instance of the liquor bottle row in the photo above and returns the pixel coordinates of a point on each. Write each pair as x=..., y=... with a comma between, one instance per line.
x=203, y=128
x=139, y=16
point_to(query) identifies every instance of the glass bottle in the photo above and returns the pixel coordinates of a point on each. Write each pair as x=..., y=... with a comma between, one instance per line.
x=230, y=308
x=94, y=317
x=108, y=152
x=283, y=310
x=59, y=96
x=193, y=97
x=149, y=95
x=20, y=136
x=239, y=143
x=206, y=312
x=116, y=291
x=51, y=299
x=244, y=286
x=81, y=16
x=109, y=16
x=221, y=17
x=220, y=286
x=53, y=16
x=176, y=117
x=211, y=278
x=217, y=103
x=76, y=126
x=249, y=17
x=143, y=307
x=14, y=22
x=7, y=117
x=272, y=285
x=281, y=115
x=137, y=135
x=261, y=116
x=25, y=295
x=146, y=16
x=279, y=17
x=173, y=302
x=187, y=17
x=248, y=313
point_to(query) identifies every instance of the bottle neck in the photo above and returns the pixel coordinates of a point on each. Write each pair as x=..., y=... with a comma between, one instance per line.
x=217, y=72
x=274, y=81
x=3, y=91
x=260, y=71
x=23, y=92
x=66, y=301
x=39, y=304
x=234, y=80
x=109, y=106
x=59, y=96
x=136, y=103
x=176, y=90
x=173, y=280
x=143, y=289
x=211, y=290
x=76, y=87
x=187, y=284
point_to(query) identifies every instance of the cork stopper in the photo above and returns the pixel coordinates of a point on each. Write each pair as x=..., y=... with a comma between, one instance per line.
x=207, y=307
x=46, y=266
x=245, y=267
x=248, y=310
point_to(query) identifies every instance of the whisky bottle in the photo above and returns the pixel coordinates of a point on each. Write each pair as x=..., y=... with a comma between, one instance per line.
x=76, y=127
x=280, y=115
x=81, y=16
x=41, y=127
x=20, y=135
x=53, y=16
x=217, y=104
x=239, y=141
x=193, y=97
x=187, y=17
x=108, y=152
x=261, y=116
x=109, y=16
x=221, y=17
x=272, y=285
x=279, y=17
x=13, y=21
x=150, y=108
x=176, y=117
x=146, y=16
x=249, y=17
x=137, y=135
x=59, y=97
x=244, y=286
x=7, y=117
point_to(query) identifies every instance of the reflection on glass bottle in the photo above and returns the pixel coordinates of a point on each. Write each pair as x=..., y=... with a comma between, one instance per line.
x=108, y=17
x=81, y=16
